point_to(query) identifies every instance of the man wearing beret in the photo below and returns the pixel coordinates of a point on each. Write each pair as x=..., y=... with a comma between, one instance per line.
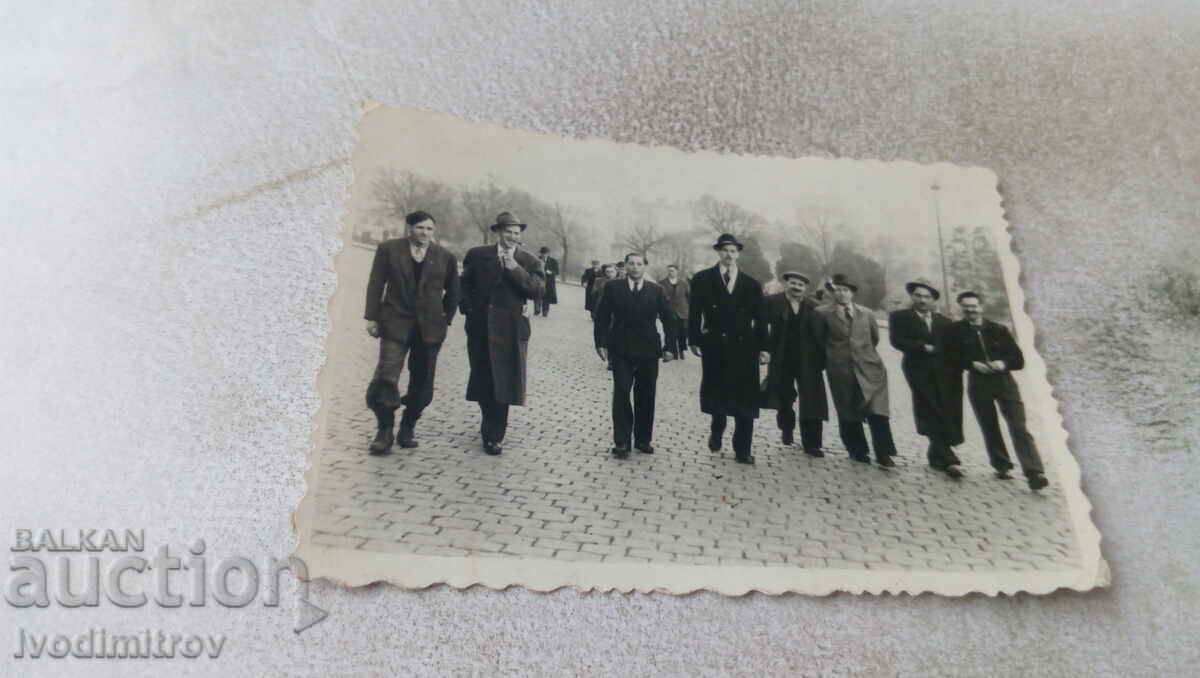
x=989, y=354
x=727, y=327
x=796, y=364
x=936, y=391
x=497, y=281
x=857, y=375
x=411, y=295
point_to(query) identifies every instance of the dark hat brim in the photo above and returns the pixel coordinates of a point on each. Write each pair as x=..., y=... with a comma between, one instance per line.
x=719, y=245
x=497, y=227
x=832, y=284
x=798, y=276
x=932, y=290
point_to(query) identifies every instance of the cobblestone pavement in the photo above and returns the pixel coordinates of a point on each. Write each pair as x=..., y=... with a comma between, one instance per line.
x=556, y=492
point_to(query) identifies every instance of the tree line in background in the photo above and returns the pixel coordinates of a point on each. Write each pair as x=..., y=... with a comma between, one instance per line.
x=466, y=213
x=817, y=242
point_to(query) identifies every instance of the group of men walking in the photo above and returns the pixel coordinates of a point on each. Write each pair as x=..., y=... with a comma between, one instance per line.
x=722, y=317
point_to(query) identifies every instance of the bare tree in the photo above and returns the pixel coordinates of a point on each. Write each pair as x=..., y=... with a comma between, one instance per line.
x=395, y=193
x=562, y=223
x=481, y=204
x=680, y=249
x=722, y=216
x=643, y=234
x=821, y=229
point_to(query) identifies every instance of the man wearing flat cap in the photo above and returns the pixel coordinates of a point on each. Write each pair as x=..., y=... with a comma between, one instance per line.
x=796, y=364
x=936, y=388
x=727, y=328
x=857, y=375
x=411, y=296
x=497, y=281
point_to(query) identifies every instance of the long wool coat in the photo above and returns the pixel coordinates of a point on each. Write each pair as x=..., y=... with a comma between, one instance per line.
x=493, y=300
x=730, y=330
x=936, y=385
x=852, y=363
x=550, y=268
x=809, y=354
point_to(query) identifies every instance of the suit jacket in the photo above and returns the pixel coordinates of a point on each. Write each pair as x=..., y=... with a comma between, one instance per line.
x=730, y=329
x=493, y=301
x=808, y=355
x=398, y=301
x=851, y=359
x=963, y=345
x=936, y=387
x=678, y=296
x=625, y=321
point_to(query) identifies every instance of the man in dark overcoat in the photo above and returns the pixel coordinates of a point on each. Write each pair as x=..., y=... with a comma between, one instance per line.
x=936, y=390
x=550, y=296
x=989, y=354
x=497, y=281
x=727, y=327
x=797, y=359
x=588, y=280
x=412, y=292
x=857, y=375
x=627, y=339
x=678, y=292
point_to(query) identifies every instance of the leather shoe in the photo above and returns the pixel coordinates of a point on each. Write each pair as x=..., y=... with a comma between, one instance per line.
x=1003, y=474
x=1037, y=481
x=620, y=452
x=744, y=459
x=787, y=438
x=714, y=442
x=644, y=448
x=491, y=448
x=886, y=462
x=382, y=443
x=860, y=458
x=815, y=452
x=405, y=438
x=954, y=471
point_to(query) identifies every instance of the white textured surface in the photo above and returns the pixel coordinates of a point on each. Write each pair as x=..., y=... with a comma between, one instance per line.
x=172, y=181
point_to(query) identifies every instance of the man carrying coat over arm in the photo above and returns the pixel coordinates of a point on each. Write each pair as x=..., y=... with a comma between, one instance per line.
x=411, y=296
x=497, y=281
x=626, y=338
x=727, y=328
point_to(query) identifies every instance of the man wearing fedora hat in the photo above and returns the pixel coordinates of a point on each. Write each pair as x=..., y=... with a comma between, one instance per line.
x=796, y=363
x=497, y=281
x=936, y=390
x=411, y=296
x=550, y=296
x=857, y=375
x=727, y=330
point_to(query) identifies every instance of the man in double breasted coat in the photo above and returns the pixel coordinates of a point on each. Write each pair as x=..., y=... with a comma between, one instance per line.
x=936, y=387
x=797, y=359
x=497, y=281
x=727, y=327
x=411, y=296
x=857, y=375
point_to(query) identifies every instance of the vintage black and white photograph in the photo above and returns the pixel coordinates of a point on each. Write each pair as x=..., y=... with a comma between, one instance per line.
x=562, y=362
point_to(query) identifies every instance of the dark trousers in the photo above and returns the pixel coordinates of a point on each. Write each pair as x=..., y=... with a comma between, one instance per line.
x=640, y=376
x=543, y=307
x=743, y=431
x=854, y=437
x=676, y=338
x=493, y=414
x=811, y=429
x=383, y=394
x=986, y=392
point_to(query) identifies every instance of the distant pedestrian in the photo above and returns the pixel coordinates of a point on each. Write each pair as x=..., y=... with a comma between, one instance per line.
x=588, y=279
x=550, y=296
x=497, y=281
x=412, y=292
x=678, y=293
x=989, y=354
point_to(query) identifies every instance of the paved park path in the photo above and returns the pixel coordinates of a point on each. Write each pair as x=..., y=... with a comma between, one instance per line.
x=557, y=493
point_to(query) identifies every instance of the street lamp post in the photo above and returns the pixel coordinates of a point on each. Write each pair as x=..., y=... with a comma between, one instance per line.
x=937, y=210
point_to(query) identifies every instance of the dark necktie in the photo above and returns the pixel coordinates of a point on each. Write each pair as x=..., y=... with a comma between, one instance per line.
x=725, y=277
x=636, y=286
